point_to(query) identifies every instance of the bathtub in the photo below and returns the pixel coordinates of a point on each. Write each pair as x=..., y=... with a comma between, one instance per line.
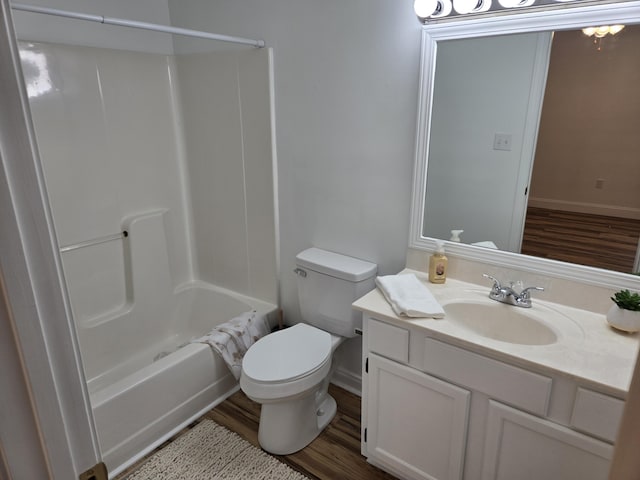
x=134, y=320
x=141, y=399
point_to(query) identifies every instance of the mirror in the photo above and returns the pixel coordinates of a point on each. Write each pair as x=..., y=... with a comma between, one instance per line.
x=497, y=138
x=574, y=194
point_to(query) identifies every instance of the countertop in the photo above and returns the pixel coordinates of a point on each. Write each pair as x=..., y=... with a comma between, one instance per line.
x=601, y=357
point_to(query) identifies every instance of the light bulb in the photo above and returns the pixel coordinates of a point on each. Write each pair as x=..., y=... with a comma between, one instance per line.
x=425, y=8
x=444, y=9
x=464, y=6
x=613, y=29
x=468, y=6
x=484, y=6
x=589, y=31
x=515, y=3
x=601, y=31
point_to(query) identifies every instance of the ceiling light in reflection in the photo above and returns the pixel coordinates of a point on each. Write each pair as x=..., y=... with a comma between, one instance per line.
x=600, y=32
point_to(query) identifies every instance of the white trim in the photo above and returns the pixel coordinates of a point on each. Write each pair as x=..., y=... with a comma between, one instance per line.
x=274, y=174
x=423, y=134
x=570, y=18
x=530, y=137
x=34, y=291
x=584, y=207
x=21, y=427
x=347, y=380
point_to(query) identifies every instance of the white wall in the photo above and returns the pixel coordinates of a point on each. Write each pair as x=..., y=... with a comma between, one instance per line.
x=589, y=126
x=346, y=75
x=482, y=87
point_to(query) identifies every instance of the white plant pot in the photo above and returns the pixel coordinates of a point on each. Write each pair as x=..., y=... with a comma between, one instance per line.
x=625, y=320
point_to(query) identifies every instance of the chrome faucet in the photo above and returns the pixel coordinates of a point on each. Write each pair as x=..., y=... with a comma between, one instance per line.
x=508, y=295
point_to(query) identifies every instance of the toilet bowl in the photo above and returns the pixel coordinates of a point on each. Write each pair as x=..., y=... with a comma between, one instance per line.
x=288, y=371
x=291, y=385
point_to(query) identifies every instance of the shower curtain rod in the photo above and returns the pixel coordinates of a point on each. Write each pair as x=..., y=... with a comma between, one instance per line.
x=135, y=24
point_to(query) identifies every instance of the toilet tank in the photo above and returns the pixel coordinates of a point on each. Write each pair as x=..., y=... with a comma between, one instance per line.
x=328, y=283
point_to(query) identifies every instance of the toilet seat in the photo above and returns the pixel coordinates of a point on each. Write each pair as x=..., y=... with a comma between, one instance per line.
x=286, y=363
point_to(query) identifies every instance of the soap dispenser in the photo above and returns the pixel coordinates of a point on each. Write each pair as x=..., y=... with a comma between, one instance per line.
x=438, y=264
x=455, y=235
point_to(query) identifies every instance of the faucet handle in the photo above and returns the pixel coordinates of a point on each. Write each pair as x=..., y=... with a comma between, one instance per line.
x=496, y=282
x=525, y=295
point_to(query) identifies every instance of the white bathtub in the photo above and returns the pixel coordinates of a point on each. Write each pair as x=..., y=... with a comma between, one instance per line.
x=143, y=398
x=134, y=321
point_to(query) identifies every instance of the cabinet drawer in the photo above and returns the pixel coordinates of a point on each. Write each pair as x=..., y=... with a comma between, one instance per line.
x=597, y=414
x=521, y=388
x=389, y=341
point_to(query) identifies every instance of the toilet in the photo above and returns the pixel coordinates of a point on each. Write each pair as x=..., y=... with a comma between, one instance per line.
x=288, y=371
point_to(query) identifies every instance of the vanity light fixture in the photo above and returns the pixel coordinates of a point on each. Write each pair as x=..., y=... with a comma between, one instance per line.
x=602, y=31
x=471, y=6
x=432, y=8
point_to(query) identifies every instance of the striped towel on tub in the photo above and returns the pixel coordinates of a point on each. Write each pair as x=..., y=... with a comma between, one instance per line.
x=232, y=339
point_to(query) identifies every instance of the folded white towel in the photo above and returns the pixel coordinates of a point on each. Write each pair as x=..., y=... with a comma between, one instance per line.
x=232, y=339
x=409, y=297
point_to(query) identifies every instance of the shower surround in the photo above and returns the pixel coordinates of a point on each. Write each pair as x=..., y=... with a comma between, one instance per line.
x=177, y=151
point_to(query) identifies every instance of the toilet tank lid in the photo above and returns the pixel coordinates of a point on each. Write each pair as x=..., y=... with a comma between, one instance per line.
x=336, y=265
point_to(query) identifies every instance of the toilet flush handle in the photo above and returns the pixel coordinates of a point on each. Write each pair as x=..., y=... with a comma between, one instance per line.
x=301, y=272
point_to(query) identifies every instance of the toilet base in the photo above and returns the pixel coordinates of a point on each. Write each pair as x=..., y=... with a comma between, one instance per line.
x=287, y=427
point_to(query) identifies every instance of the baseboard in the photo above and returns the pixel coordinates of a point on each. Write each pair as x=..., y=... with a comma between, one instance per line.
x=347, y=380
x=583, y=207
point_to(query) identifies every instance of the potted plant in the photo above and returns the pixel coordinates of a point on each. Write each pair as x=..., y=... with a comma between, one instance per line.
x=625, y=314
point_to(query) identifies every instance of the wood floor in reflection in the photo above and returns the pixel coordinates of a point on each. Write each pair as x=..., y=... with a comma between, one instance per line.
x=334, y=455
x=594, y=240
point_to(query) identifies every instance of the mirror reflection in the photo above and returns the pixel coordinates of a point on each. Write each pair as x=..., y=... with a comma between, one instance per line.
x=534, y=146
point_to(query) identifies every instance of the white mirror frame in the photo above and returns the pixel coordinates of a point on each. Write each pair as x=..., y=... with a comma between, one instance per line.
x=571, y=17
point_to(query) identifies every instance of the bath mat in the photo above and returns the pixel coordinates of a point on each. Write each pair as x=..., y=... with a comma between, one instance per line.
x=209, y=451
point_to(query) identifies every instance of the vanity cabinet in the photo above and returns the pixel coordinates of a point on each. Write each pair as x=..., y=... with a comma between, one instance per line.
x=432, y=410
x=420, y=422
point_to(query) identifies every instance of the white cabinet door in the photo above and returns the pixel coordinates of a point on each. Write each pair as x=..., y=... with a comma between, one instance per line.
x=519, y=446
x=416, y=423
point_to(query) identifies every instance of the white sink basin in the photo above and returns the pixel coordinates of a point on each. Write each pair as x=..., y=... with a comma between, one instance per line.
x=538, y=325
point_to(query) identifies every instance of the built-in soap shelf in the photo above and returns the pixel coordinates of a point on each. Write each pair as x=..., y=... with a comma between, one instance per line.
x=106, y=276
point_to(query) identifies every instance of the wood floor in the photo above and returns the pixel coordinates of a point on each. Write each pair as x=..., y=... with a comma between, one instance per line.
x=334, y=455
x=593, y=240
